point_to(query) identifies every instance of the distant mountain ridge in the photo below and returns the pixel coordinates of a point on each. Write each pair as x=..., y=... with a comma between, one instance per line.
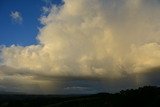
x=148, y=96
x=8, y=92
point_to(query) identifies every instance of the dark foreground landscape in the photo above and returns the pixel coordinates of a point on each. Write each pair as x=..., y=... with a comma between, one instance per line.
x=148, y=96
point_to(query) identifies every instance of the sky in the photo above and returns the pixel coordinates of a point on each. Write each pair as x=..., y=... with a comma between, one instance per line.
x=22, y=31
x=78, y=46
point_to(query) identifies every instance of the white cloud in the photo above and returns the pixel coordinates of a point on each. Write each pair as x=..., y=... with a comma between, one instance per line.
x=91, y=38
x=47, y=1
x=16, y=17
x=45, y=10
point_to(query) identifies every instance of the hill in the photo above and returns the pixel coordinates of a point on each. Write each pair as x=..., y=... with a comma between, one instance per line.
x=148, y=96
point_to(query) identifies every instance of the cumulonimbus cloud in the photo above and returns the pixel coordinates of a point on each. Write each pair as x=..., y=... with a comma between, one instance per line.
x=93, y=38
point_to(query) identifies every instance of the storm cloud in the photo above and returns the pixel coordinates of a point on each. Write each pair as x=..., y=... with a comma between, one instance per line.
x=89, y=45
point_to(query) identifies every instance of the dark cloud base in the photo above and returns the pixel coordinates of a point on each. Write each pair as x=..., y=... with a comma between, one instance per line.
x=75, y=85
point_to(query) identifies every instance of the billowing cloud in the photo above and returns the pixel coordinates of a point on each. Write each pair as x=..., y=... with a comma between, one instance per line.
x=16, y=16
x=45, y=10
x=87, y=42
x=47, y=1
